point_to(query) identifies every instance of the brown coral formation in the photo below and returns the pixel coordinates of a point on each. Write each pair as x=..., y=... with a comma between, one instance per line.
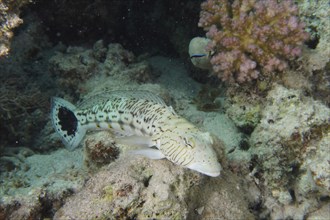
x=9, y=19
x=251, y=37
x=100, y=151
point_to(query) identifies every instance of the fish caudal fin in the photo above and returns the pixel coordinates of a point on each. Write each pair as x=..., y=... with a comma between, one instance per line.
x=66, y=123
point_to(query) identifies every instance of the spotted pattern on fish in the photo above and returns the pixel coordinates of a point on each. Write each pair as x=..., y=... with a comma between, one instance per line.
x=140, y=114
x=125, y=115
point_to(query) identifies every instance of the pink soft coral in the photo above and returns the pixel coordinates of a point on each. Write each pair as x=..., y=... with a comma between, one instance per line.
x=251, y=37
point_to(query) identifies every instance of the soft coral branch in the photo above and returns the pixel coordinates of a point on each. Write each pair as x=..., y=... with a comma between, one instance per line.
x=251, y=37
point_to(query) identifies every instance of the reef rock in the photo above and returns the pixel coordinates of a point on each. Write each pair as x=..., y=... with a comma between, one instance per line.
x=291, y=147
x=135, y=187
x=291, y=126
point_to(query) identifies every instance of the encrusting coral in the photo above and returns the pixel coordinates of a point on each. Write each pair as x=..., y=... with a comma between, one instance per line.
x=250, y=38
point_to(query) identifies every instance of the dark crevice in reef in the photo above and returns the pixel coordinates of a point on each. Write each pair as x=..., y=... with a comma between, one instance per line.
x=140, y=26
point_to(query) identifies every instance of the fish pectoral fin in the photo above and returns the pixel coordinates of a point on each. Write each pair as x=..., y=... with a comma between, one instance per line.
x=151, y=153
x=139, y=141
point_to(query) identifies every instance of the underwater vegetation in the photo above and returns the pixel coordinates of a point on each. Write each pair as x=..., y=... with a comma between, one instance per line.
x=25, y=88
x=250, y=38
x=20, y=105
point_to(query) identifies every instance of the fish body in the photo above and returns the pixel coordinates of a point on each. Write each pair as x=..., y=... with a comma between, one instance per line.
x=137, y=118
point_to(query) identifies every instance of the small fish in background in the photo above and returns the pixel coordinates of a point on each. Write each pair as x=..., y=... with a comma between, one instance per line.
x=137, y=118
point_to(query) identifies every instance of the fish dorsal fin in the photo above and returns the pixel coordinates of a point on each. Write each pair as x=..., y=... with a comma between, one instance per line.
x=106, y=95
x=139, y=94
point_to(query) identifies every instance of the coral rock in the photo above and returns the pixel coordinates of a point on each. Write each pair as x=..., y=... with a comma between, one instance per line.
x=100, y=149
x=9, y=19
x=306, y=125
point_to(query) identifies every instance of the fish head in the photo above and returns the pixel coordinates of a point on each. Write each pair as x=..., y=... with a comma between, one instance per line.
x=205, y=159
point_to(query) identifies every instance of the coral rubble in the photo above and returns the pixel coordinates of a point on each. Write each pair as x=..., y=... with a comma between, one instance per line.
x=251, y=37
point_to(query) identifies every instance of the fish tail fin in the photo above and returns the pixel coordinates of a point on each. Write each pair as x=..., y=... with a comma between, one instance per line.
x=65, y=123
